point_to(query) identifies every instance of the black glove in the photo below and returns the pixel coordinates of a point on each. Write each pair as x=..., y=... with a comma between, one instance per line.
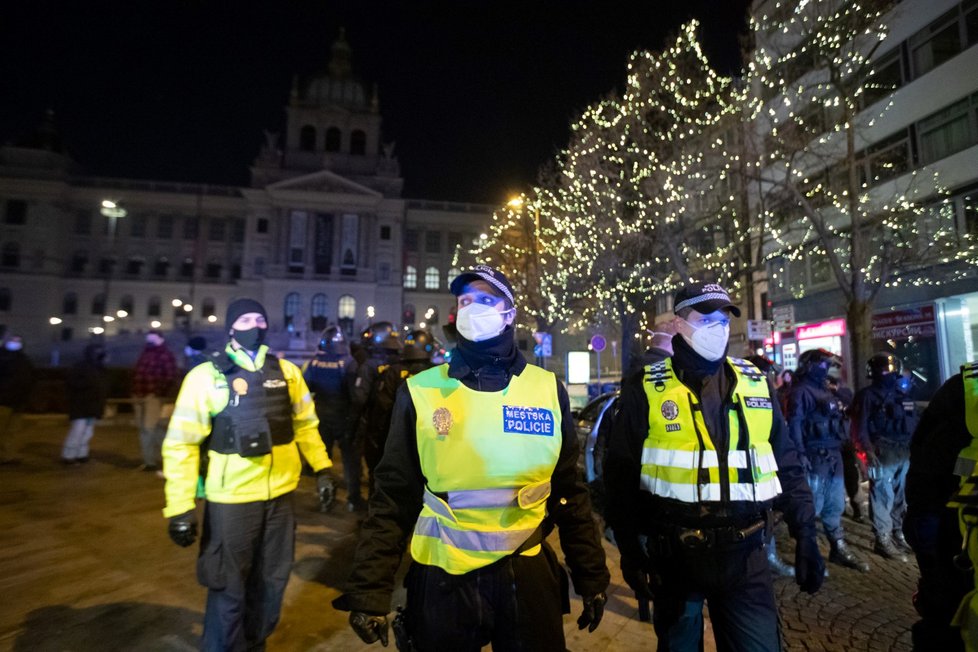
x=369, y=628
x=593, y=611
x=809, y=565
x=183, y=528
x=636, y=575
x=325, y=489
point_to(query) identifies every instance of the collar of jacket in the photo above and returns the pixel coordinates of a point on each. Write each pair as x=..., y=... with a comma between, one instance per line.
x=241, y=358
x=498, y=352
x=689, y=364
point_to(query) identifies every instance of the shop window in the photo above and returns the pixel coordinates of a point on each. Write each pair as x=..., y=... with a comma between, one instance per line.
x=16, y=212
x=946, y=132
x=410, y=277
x=307, y=139
x=333, y=139
x=358, y=143
x=431, y=278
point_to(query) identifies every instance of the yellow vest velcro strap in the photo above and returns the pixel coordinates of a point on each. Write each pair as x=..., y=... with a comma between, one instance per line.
x=690, y=459
x=710, y=492
x=534, y=494
x=964, y=467
x=472, y=540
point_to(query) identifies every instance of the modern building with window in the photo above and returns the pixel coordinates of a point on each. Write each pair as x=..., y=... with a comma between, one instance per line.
x=321, y=236
x=925, y=93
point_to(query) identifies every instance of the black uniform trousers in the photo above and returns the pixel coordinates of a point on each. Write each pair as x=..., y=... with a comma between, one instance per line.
x=245, y=560
x=516, y=604
x=736, y=584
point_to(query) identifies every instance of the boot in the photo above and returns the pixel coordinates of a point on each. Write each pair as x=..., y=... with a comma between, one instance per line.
x=840, y=554
x=885, y=547
x=858, y=512
x=778, y=565
x=900, y=541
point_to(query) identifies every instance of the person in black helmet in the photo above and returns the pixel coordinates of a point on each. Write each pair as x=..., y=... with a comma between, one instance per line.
x=817, y=421
x=480, y=465
x=330, y=375
x=884, y=419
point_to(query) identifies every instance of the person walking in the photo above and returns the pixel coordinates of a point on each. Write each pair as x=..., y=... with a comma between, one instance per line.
x=330, y=375
x=253, y=415
x=87, y=388
x=16, y=381
x=819, y=424
x=480, y=465
x=698, y=458
x=152, y=381
x=884, y=419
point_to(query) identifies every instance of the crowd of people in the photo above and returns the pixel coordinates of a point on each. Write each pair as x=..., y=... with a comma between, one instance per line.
x=470, y=458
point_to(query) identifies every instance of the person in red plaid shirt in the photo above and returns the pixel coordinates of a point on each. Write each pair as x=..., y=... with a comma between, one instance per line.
x=154, y=376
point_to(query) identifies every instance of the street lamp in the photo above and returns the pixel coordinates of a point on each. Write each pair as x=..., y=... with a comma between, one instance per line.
x=121, y=314
x=187, y=307
x=113, y=211
x=176, y=303
x=211, y=318
x=370, y=312
x=156, y=323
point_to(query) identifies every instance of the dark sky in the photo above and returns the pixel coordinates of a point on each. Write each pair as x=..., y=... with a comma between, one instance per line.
x=476, y=94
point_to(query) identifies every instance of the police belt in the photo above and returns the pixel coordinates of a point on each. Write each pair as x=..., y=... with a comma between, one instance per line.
x=693, y=538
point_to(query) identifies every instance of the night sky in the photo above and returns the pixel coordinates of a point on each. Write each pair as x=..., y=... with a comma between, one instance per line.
x=476, y=94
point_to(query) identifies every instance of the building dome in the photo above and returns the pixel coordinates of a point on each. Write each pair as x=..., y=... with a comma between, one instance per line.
x=337, y=86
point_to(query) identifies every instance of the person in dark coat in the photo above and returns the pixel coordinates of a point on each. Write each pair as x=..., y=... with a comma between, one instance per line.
x=16, y=377
x=196, y=351
x=87, y=385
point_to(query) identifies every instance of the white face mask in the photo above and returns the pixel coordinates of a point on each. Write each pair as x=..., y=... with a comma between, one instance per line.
x=477, y=322
x=709, y=340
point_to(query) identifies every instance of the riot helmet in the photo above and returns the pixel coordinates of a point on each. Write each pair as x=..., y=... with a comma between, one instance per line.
x=814, y=364
x=377, y=337
x=883, y=364
x=332, y=340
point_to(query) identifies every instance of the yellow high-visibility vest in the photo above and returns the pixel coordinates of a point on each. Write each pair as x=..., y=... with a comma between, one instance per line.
x=679, y=460
x=488, y=458
x=967, y=615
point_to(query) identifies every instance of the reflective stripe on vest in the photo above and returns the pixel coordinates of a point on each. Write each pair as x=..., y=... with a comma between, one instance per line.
x=674, y=463
x=967, y=615
x=488, y=458
x=964, y=467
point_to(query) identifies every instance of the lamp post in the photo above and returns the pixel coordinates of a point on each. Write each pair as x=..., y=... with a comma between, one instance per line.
x=55, y=352
x=112, y=211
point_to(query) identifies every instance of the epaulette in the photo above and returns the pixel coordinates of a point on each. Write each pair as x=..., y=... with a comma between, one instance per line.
x=223, y=362
x=970, y=370
x=657, y=374
x=747, y=369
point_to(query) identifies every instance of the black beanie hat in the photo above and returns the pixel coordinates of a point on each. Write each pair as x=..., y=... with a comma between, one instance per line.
x=242, y=307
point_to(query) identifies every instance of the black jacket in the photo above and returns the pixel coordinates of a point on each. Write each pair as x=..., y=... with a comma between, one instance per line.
x=87, y=385
x=632, y=512
x=817, y=417
x=16, y=378
x=879, y=413
x=397, y=498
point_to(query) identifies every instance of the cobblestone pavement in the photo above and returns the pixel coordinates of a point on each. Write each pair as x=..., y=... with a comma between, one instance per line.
x=86, y=565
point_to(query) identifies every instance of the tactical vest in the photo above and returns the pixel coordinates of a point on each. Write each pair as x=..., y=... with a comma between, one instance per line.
x=827, y=425
x=258, y=414
x=487, y=458
x=326, y=374
x=679, y=459
x=891, y=417
x=966, y=502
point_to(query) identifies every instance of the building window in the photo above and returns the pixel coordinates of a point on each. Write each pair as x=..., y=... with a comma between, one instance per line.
x=235, y=271
x=887, y=159
x=358, y=143
x=946, y=132
x=887, y=77
x=936, y=43
x=98, y=304
x=164, y=227
x=187, y=268
x=971, y=21
x=161, y=267
x=213, y=270
x=318, y=309
x=137, y=225
x=79, y=261
x=69, y=304
x=432, y=242
x=16, y=212
x=134, y=266
x=106, y=265
x=411, y=277
x=298, y=238
x=10, y=255
x=292, y=303
x=385, y=232
x=431, y=278
x=384, y=272
x=237, y=230
x=332, y=139
x=452, y=273
x=216, y=230
x=153, y=307
x=83, y=223
x=191, y=226
x=125, y=304
x=410, y=239
x=209, y=309
x=454, y=241
x=261, y=225
x=407, y=314
x=307, y=139
x=346, y=307
x=5, y=300
x=970, y=225
x=259, y=267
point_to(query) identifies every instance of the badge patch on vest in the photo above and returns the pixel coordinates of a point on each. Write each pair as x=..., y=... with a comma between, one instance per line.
x=670, y=410
x=757, y=402
x=442, y=420
x=240, y=386
x=528, y=420
x=274, y=382
x=673, y=427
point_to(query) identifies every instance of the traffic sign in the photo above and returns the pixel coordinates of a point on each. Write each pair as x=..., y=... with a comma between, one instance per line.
x=545, y=343
x=784, y=318
x=598, y=343
x=758, y=329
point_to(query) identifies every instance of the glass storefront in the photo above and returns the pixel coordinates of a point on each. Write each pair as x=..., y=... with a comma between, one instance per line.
x=959, y=328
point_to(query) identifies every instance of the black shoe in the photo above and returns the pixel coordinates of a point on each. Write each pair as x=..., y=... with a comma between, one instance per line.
x=69, y=461
x=885, y=547
x=840, y=554
x=82, y=460
x=779, y=567
x=901, y=542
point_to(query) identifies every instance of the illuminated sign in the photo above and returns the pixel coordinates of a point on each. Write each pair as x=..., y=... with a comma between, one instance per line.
x=830, y=328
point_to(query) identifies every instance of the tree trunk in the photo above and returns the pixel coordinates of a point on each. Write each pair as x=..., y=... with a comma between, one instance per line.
x=859, y=322
x=631, y=346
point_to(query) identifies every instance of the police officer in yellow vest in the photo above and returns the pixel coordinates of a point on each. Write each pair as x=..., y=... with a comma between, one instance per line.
x=252, y=415
x=698, y=457
x=480, y=464
x=943, y=452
